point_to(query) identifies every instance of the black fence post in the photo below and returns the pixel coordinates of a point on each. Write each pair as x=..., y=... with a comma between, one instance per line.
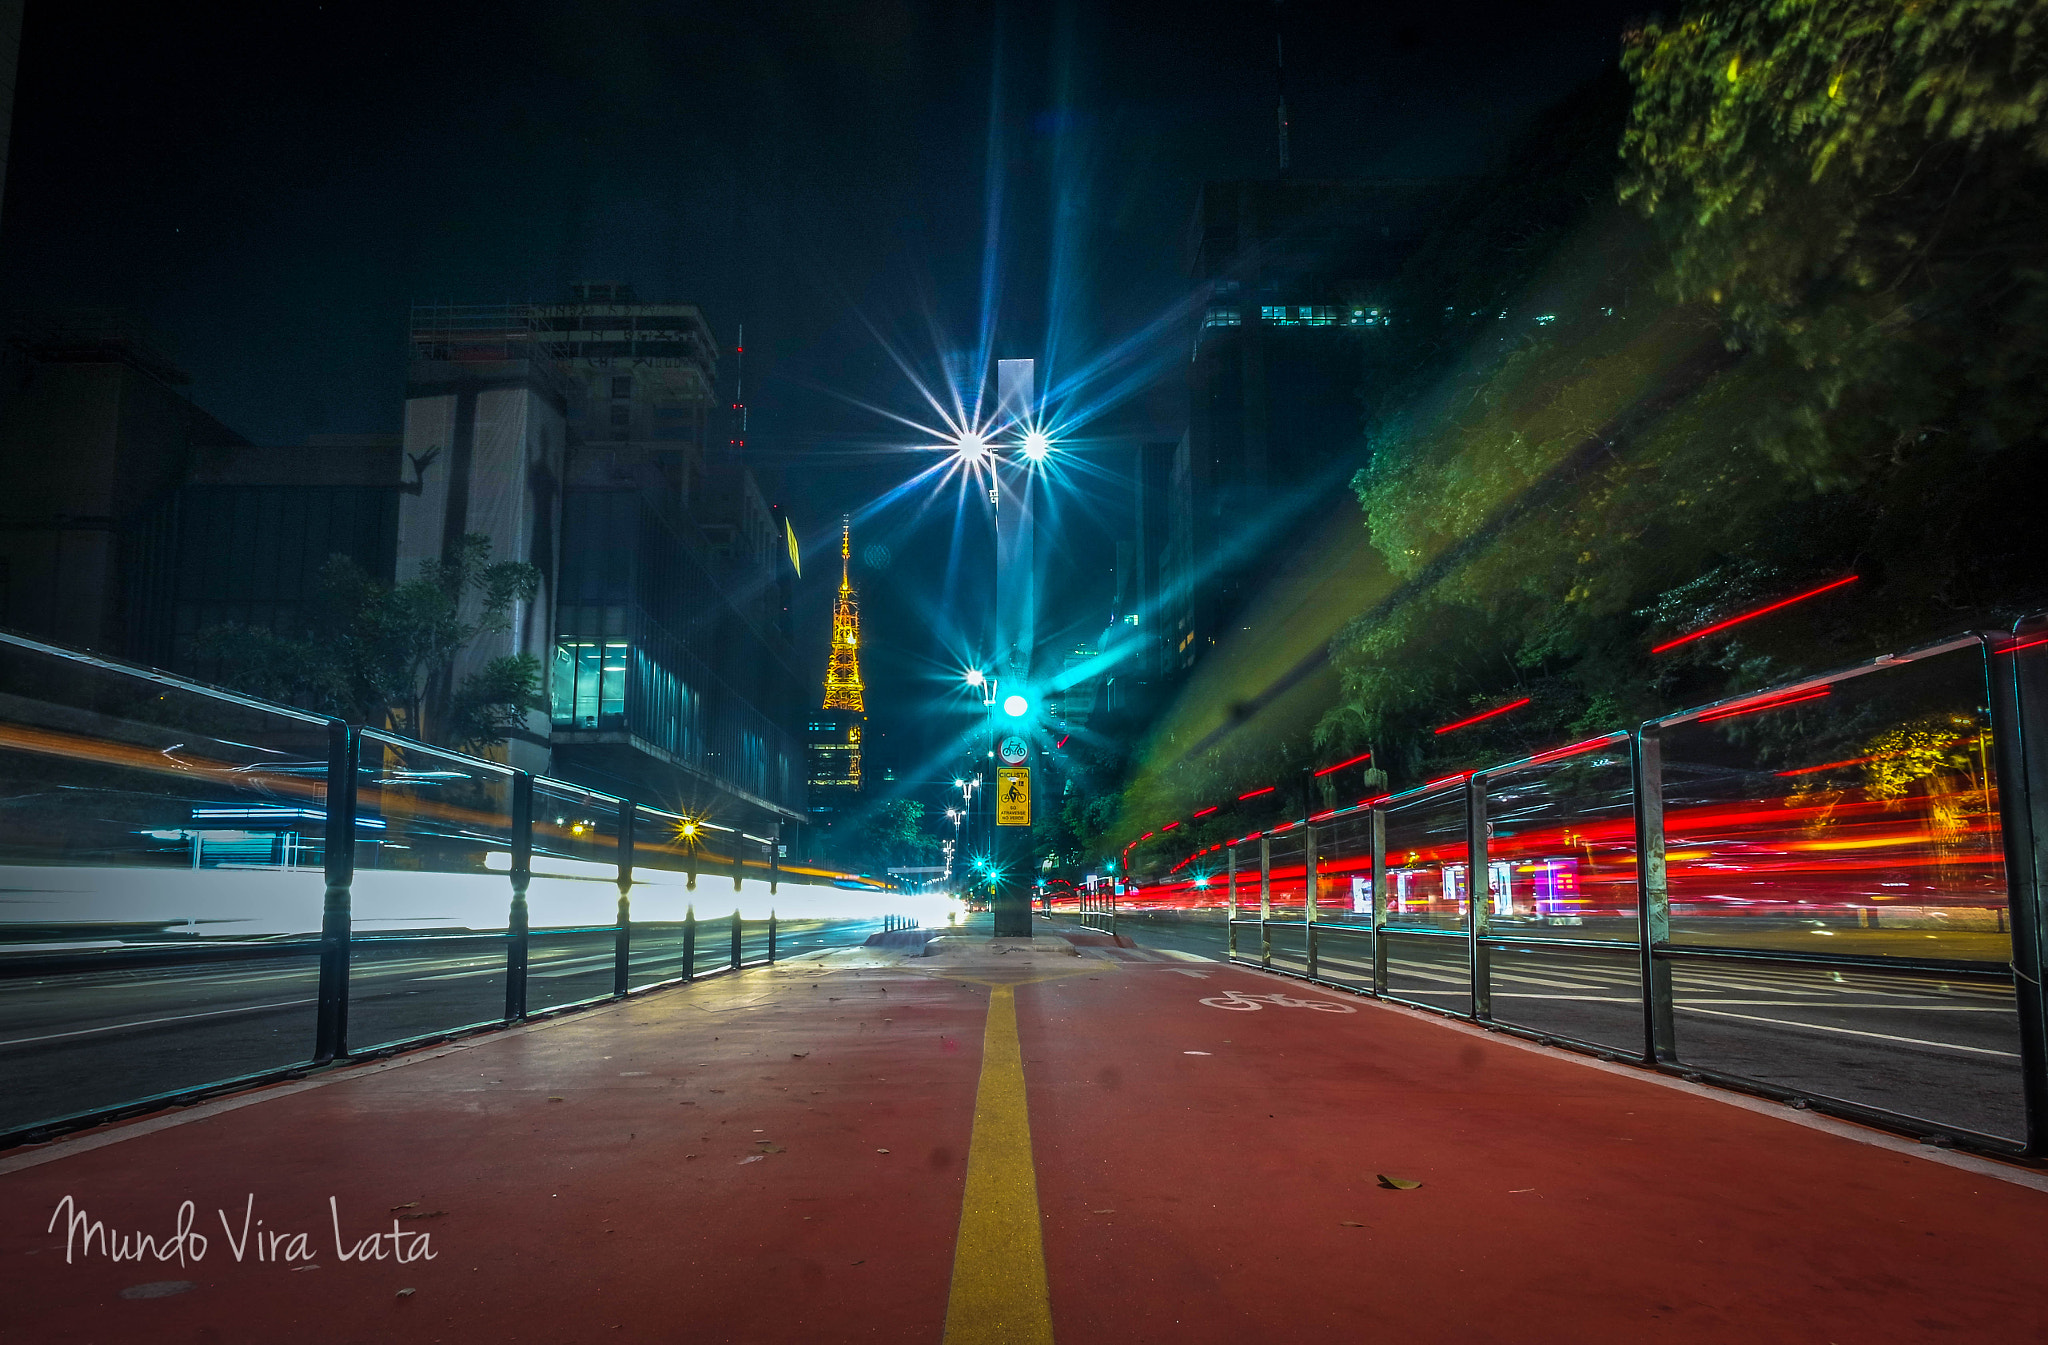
x=1478, y=898
x=1309, y=894
x=1266, y=902
x=330, y=1032
x=774, y=861
x=771, y=938
x=689, y=943
x=735, y=936
x=622, y=945
x=1230, y=904
x=2019, y=691
x=1653, y=894
x=522, y=878
x=1378, y=841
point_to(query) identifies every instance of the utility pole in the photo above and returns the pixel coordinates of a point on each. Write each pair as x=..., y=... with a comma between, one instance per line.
x=1011, y=775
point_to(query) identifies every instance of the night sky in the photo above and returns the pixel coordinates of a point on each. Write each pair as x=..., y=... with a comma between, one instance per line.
x=272, y=186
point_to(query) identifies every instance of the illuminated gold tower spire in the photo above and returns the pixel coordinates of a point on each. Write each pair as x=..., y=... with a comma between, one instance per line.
x=843, y=686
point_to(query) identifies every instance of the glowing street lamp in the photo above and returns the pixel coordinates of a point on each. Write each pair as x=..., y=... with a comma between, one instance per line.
x=1037, y=445
x=972, y=448
x=1015, y=706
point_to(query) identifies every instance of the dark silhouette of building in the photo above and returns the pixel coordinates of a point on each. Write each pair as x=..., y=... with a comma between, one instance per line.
x=97, y=435
x=1295, y=274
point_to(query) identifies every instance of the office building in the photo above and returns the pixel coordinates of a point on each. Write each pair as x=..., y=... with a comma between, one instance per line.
x=574, y=436
x=1295, y=274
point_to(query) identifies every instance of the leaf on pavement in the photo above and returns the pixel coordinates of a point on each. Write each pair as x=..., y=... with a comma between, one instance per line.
x=1397, y=1183
x=1349, y=1223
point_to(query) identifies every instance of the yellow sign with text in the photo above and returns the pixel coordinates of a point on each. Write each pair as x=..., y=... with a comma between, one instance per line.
x=1013, y=796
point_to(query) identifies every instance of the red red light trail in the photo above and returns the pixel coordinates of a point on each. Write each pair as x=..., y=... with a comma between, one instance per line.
x=1256, y=792
x=1758, y=707
x=1750, y=616
x=1362, y=756
x=1203, y=813
x=1486, y=714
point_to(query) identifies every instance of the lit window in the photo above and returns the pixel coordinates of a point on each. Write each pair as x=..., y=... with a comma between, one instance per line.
x=1223, y=316
x=1273, y=312
x=588, y=689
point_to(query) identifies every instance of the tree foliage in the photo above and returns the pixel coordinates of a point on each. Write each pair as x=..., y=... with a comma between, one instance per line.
x=892, y=833
x=1857, y=186
x=1799, y=329
x=386, y=655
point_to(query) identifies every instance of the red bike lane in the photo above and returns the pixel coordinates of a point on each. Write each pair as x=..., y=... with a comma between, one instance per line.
x=1212, y=1173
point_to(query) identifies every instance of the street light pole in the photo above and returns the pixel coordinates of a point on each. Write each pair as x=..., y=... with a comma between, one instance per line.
x=1016, y=640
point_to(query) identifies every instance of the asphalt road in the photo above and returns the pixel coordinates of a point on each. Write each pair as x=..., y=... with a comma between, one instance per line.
x=102, y=1038
x=1943, y=1049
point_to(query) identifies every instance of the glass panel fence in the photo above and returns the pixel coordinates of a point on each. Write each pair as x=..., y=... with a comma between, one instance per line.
x=1344, y=954
x=1852, y=819
x=1289, y=875
x=1429, y=969
x=1561, y=865
x=1344, y=871
x=573, y=900
x=155, y=838
x=1561, y=847
x=432, y=894
x=669, y=882
x=1943, y=1048
x=1590, y=994
x=1289, y=942
x=1859, y=817
x=1426, y=880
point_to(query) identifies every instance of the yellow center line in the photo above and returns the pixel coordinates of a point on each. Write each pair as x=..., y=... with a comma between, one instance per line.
x=999, y=1291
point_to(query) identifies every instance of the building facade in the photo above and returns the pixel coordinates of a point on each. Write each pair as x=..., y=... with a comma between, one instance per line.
x=1294, y=273
x=574, y=435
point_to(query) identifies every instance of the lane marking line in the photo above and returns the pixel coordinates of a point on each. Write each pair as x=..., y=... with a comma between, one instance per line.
x=999, y=1291
x=152, y=1022
x=1847, y=1031
x=1727, y=1097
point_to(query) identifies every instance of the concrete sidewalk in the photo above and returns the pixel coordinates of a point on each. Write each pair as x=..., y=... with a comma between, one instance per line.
x=785, y=1155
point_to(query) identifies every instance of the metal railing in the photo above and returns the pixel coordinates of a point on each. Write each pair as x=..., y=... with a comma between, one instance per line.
x=1097, y=910
x=271, y=891
x=1828, y=892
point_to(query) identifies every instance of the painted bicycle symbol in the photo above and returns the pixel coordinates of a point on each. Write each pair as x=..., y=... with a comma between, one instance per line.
x=1238, y=999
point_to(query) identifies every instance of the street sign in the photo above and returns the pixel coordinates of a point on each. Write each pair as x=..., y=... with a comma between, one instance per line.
x=1013, y=796
x=1013, y=750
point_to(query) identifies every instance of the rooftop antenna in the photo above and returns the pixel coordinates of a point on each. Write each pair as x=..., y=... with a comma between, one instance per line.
x=1280, y=81
x=739, y=391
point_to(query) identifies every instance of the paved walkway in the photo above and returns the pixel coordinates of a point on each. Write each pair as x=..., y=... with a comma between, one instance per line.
x=1009, y=1141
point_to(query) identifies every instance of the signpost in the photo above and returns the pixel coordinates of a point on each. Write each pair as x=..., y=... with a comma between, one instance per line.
x=1013, y=796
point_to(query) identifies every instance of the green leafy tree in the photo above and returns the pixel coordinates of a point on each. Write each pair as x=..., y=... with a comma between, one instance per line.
x=386, y=656
x=1858, y=187
x=890, y=834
